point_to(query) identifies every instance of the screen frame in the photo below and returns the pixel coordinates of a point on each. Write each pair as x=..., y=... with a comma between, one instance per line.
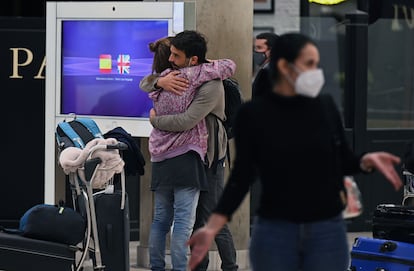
x=98, y=97
x=58, y=11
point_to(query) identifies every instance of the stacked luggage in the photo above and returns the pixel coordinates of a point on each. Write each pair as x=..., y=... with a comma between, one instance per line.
x=103, y=180
x=392, y=246
x=19, y=253
x=372, y=254
x=95, y=170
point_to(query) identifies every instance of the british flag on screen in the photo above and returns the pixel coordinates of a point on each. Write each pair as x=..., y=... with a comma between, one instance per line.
x=123, y=64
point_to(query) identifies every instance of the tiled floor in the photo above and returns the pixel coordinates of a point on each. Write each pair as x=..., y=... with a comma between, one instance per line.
x=133, y=250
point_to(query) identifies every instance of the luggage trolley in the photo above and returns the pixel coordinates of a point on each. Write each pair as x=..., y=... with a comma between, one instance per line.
x=392, y=244
x=95, y=166
x=408, y=196
x=92, y=169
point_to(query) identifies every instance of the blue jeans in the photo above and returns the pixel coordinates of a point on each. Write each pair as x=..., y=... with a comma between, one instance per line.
x=206, y=203
x=317, y=246
x=178, y=206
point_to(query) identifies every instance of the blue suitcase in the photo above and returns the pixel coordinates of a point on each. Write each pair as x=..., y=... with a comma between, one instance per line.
x=371, y=254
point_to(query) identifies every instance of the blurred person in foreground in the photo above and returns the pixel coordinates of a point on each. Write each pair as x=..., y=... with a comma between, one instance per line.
x=284, y=138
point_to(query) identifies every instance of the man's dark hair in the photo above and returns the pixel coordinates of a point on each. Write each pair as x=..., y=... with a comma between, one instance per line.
x=270, y=38
x=192, y=43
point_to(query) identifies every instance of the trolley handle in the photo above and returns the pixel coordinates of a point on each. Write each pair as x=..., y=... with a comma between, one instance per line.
x=120, y=146
x=90, y=167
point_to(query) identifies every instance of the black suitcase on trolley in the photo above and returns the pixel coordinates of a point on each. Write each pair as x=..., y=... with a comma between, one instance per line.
x=393, y=222
x=18, y=253
x=113, y=230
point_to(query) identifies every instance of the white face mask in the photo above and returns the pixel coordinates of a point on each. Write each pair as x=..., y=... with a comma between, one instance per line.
x=309, y=83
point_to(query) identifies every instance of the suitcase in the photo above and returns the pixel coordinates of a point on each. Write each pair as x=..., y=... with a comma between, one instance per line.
x=393, y=222
x=18, y=253
x=371, y=254
x=113, y=230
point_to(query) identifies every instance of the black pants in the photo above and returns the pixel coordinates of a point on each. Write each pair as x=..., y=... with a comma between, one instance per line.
x=206, y=203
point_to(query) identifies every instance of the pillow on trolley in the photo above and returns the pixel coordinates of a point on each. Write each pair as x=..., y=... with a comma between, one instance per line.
x=72, y=160
x=53, y=223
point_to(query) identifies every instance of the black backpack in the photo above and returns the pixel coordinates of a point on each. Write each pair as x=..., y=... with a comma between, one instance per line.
x=233, y=101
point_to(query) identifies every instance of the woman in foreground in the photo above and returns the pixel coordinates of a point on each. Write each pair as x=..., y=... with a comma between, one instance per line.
x=285, y=138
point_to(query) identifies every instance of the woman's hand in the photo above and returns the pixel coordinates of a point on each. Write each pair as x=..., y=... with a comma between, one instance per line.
x=202, y=238
x=385, y=163
x=200, y=242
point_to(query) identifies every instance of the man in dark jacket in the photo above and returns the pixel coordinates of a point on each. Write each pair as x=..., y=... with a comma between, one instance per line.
x=261, y=57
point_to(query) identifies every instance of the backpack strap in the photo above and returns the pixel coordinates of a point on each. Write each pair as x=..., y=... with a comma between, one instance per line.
x=216, y=160
x=70, y=132
x=214, y=165
x=90, y=124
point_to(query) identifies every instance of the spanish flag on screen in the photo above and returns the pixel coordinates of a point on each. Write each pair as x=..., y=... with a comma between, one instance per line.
x=105, y=63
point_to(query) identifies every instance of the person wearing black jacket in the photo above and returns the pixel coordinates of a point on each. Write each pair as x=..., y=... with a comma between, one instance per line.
x=284, y=138
x=263, y=44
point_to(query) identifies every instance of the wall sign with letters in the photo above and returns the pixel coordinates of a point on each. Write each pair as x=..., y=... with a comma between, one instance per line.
x=22, y=75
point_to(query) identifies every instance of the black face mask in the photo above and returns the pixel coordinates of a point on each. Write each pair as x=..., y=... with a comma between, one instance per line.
x=258, y=58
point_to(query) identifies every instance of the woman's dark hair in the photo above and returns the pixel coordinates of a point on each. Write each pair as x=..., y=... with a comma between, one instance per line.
x=288, y=47
x=161, y=50
x=192, y=43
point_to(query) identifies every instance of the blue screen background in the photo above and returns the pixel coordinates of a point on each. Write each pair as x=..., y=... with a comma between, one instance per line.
x=87, y=89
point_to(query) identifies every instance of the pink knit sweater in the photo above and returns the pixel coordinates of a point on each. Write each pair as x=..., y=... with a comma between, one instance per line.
x=165, y=144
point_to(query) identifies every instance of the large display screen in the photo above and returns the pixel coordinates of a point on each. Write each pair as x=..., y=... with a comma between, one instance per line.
x=102, y=64
x=96, y=54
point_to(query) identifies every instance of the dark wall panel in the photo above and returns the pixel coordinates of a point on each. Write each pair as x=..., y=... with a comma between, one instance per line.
x=22, y=51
